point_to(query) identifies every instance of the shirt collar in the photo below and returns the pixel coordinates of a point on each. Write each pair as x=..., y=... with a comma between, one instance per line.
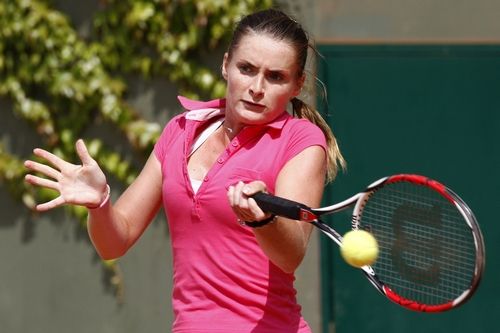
x=199, y=110
x=204, y=110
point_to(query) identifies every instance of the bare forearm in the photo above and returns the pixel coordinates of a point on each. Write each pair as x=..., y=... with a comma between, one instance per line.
x=284, y=242
x=113, y=229
x=108, y=232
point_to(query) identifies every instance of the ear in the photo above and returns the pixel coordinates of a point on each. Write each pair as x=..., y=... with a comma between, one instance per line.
x=224, y=66
x=300, y=84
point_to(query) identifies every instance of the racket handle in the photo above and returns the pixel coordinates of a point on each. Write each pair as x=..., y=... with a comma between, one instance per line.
x=283, y=207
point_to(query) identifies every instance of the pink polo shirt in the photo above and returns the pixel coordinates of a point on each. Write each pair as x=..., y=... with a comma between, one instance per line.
x=222, y=280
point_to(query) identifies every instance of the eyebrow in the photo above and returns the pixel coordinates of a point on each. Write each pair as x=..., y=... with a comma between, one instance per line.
x=245, y=62
x=278, y=71
x=281, y=71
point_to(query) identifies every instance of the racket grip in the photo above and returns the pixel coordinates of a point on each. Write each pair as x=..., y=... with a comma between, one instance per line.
x=280, y=206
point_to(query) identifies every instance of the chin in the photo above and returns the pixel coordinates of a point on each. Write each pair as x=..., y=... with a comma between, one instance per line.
x=254, y=118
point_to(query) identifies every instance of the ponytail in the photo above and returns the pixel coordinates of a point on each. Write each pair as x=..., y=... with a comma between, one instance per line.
x=335, y=160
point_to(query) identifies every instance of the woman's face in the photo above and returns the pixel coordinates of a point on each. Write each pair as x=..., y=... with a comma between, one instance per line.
x=261, y=79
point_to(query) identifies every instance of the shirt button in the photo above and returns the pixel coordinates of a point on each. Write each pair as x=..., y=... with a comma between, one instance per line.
x=205, y=179
x=234, y=143
x=220, y=160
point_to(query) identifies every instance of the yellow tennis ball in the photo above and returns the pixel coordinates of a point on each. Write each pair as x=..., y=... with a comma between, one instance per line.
x=359, y=248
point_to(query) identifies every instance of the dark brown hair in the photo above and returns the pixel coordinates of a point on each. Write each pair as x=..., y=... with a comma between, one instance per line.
x=282, y=27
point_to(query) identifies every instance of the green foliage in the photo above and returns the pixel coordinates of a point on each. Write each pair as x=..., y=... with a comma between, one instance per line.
x=63, y=84
x=167, y=37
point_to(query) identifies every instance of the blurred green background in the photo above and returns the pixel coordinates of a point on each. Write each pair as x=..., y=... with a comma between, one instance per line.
x=424, y=109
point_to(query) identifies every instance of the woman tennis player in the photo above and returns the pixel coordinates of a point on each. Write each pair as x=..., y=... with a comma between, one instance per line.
x=233, y=264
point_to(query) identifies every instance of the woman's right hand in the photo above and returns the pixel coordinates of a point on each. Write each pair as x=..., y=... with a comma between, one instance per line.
x=83, y=185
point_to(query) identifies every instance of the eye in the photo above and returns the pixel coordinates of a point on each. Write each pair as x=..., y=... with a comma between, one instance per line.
x=245, y=68
x=276, y=77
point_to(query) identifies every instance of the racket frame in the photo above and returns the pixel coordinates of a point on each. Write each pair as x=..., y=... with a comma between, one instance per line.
x=312, y=215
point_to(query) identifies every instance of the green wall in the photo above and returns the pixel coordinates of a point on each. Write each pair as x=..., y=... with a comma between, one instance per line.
x=427, y=109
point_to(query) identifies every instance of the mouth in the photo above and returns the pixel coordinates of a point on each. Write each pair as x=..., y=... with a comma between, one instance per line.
x=253, y=106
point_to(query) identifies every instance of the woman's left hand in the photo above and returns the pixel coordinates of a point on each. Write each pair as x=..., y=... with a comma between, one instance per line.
x=245, y=208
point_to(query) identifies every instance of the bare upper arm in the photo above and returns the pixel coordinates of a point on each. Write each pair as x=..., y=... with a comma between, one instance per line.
x=302, y=179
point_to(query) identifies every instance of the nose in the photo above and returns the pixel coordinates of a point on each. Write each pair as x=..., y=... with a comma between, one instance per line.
x=257, y=87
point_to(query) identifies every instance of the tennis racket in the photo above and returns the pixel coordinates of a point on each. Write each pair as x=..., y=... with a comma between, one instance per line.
x=431, y=250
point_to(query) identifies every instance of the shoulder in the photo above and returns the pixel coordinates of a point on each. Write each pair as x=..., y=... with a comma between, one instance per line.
x=171, y=131
x=176, y=123
x=293, y=135
x=302, y=123
x=303, y=128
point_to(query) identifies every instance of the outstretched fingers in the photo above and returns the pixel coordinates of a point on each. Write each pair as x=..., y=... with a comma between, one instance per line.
x=76, y=184
x=51, y=158
x=34, y=180
x=83, y=153
x=42, y=168
x=50, y=204
x=47, y=183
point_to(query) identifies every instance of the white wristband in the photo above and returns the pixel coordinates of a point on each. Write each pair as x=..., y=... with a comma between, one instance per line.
x=106, y=199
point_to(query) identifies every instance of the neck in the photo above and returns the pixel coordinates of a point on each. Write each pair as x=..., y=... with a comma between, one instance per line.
x=228, y=132
x=227, y=128
x=231, y=129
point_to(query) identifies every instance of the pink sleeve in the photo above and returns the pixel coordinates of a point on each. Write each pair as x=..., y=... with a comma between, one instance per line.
x=166, y=136
x=303, y=134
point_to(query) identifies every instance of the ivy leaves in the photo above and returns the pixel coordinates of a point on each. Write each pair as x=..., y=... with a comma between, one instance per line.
x=63, y=84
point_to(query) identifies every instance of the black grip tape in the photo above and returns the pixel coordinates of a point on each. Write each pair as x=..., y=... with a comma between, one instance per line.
x=279, y=206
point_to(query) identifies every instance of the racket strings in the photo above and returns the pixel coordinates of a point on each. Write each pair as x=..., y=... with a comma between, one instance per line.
x=427, y=250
